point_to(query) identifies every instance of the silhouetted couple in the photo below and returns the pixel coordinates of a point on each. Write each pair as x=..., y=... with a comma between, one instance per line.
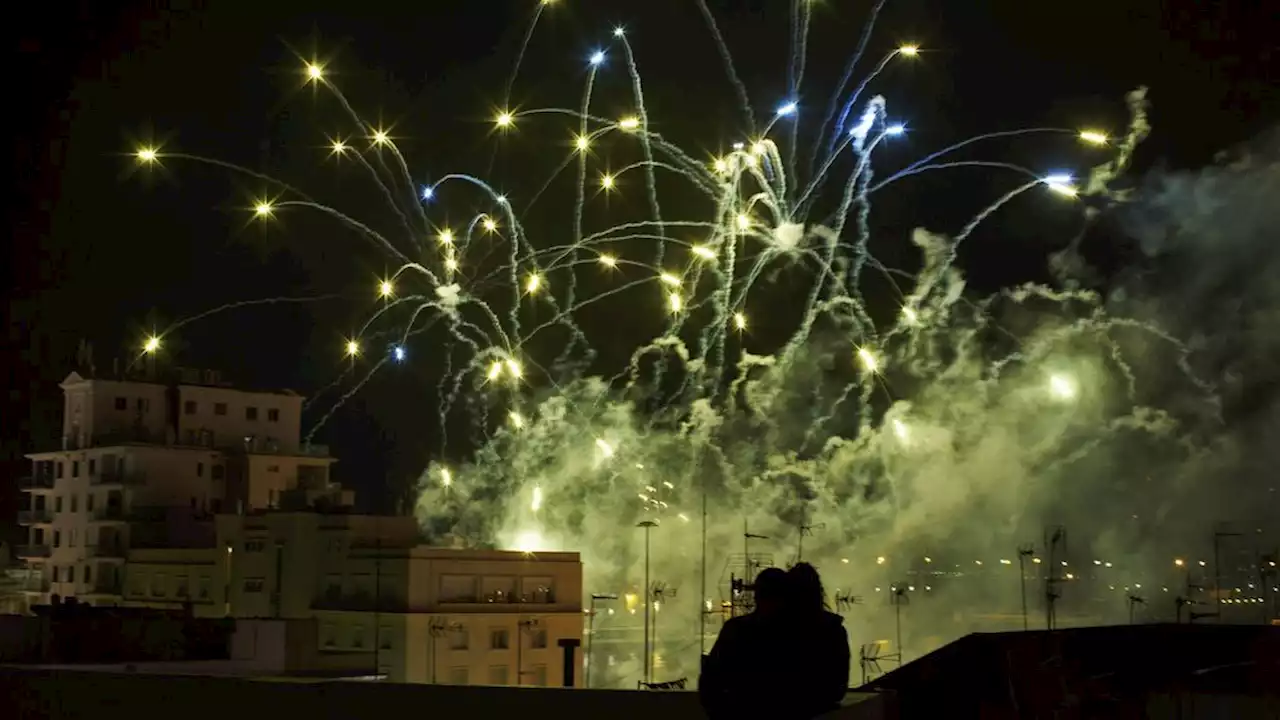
x=786, y=660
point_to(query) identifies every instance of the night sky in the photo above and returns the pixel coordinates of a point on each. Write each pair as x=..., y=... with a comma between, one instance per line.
x=102, y=252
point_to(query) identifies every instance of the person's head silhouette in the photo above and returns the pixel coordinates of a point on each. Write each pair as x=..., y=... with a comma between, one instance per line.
x=805, y=585
x=770, y=590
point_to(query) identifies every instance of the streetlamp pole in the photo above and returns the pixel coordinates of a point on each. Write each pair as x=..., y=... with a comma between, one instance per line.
x=591, y=631
x=647, y=525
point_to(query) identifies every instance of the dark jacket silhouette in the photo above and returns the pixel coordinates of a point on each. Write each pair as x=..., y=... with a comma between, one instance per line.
x=785, y=661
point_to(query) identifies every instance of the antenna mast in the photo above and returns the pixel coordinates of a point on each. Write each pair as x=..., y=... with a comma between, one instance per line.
x=1055, y=542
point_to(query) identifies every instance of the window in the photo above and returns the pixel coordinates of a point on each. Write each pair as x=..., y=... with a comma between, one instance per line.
x=74, y=498
x=199, y=469
x=273, y=415
x=189, y=407
x=57, y=503
x=219, y=408
x=384, y=637
x=499, y=639
x=143, y=405
x=216, y=472
x=71, y=573
x=57, y=574
x=254, y=584
x=538, y=638
x=88, y=502
x=251, y=413
x=257, y=545
x=157, y=585
x=357, y=637
x=59, y=473
x=540, y=675
x=93, y=467
x=460, y=639
x=537, y=590
x=137, y=584
x=202, y=591
x=330, y=635
x=88, y=574
x=75, y=468
x=57, y=538
x=122, y=403
x=497, y=674
x=72, y=538
x=273, y=468
x=181, y=589
x=499, y=589
x=458, y=676
x=457, y=588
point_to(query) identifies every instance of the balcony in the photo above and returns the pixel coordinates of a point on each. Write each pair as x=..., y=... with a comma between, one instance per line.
x=110, y=514
x=118, y=478
x=32, y=551
x=110, y=552
x=35, y=517
x=34, y=585
x=106, y=587
x=36, y=482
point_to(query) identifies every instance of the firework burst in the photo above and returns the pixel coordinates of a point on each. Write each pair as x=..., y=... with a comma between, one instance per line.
x=876, y=430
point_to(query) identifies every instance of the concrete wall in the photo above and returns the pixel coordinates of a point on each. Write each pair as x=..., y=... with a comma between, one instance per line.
x=57, y=695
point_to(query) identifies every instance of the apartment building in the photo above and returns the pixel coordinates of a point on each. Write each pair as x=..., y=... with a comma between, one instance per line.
x=133, y=450
x=418, y=614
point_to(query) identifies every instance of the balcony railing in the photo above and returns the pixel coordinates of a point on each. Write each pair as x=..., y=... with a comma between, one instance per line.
x=109, y=514
x=104, y=551
x=36, y=482
x=106, y=587
x=32, y=551
x=119, y=478
x=34, y=517
x=34, y=585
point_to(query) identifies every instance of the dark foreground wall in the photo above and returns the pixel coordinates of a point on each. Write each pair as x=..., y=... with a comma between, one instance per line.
x=59, y=695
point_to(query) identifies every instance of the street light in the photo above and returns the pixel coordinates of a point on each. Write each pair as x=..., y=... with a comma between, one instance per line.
x=591, y=629
x=647, y=525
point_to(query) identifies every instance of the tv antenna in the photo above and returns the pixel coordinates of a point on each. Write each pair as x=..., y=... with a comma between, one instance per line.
x=658, y=592
x=1134, y=601
x=747, y=536
x=898, y=597
x=869, y=657
x=1055, y=542
x=1024, y=552
x=845, y=601
x=805, y=530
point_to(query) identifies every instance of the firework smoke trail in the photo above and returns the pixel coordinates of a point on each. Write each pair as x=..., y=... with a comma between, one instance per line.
x=744, y=98
x=834, y=103
x=880, y=432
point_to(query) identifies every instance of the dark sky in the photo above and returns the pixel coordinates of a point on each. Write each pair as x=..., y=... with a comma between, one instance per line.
x=103, y=253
